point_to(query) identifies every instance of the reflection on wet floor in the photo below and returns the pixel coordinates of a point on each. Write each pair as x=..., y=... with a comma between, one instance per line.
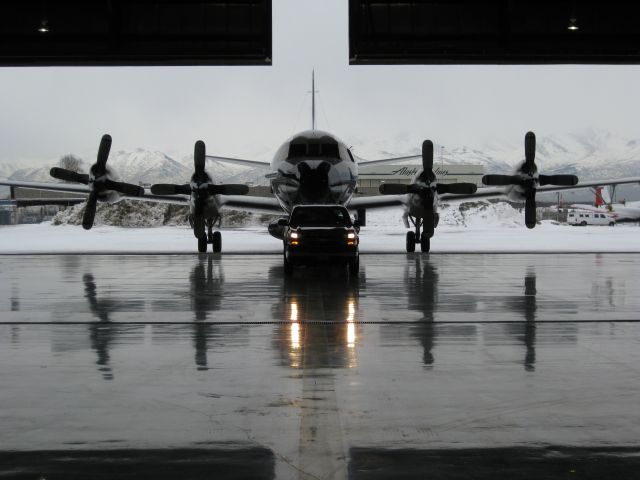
x=227, y=461
x=419, y=360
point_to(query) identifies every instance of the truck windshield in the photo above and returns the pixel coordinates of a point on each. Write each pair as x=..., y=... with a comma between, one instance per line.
x=320, y=217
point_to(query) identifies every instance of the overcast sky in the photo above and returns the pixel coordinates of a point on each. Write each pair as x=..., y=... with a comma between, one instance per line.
x=249, y=111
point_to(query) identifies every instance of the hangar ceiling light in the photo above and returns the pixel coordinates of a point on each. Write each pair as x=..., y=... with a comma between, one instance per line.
x=44, y=26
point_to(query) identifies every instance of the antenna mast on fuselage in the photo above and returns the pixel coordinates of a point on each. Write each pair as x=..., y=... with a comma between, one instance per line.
x=313, y=101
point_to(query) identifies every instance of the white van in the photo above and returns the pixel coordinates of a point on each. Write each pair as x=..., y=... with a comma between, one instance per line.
x=583, y=218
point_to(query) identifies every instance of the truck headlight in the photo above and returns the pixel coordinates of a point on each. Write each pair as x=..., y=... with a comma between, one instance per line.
x=351, y=235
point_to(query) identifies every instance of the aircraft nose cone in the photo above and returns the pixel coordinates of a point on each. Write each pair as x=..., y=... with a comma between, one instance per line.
x=314, y=182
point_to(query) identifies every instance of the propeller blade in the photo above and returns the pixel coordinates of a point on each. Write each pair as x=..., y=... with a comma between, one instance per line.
x=530, y=209
x=529, y=150
x=170, y=189
x=560, y=180
x=90, y=211
x=103, y=152
x=427, y=156
x=199, y=156
x=457, y=188
x=229, y=189
x=393, y=188
x=124, y=188
x=69, y=176
x=500, y=180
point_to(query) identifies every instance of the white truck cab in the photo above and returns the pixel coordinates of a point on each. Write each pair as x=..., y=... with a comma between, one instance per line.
x=583, y=218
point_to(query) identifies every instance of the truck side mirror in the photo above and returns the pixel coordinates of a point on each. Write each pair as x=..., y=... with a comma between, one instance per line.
x=356, y=225
x=283, y=222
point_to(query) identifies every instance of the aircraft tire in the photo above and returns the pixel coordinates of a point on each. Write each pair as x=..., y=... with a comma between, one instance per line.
x=199, y=226
x=425, y=242
x=216, y=240
x=202, y=244
x=411, y=242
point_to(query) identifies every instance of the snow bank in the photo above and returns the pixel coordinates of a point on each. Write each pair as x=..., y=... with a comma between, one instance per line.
x=471, y=227
x=547, y=237
x=127, y=213
x=465, y=214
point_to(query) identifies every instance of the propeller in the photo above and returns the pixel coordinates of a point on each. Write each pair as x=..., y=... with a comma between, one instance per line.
x=201, y=185
x=528, y=180
x=98, y=182
x=200, y=188
x=426, y=187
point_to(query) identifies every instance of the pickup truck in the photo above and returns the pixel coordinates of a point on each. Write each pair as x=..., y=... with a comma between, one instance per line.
x=321, y=234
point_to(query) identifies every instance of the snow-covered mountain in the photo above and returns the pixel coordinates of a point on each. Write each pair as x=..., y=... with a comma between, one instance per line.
x=590, y=154
x=230, y=173
x=146, y=166
x=137, y=166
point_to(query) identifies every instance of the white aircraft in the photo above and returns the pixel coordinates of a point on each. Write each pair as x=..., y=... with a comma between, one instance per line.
x=621, y=212
x=311, y=167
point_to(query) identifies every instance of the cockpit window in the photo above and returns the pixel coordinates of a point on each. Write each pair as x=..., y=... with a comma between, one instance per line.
x=312, y=150
x=320, y=217
x=297, y=150
x=351, y=156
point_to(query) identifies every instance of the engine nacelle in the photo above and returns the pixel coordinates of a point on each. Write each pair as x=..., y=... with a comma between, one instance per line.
x=109, y=196
x=276, y=228
x=516, y=193
x=420, y=205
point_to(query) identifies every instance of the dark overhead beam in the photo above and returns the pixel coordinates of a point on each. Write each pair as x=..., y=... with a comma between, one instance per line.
x=493, y=32
x=136, y=32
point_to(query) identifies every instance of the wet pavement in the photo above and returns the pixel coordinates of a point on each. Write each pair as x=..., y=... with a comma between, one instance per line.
x=459, y=366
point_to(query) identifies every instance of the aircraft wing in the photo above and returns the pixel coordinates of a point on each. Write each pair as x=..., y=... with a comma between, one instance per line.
x=251, y=203
x=49, y=186
x=377, y=201
x=383, y=161
x=75, y=188
x=239, y=161
x=492, y=192
x=483, y=192
x=593, y=183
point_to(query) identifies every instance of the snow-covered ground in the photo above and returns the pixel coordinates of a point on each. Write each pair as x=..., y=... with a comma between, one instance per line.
x=384, y=233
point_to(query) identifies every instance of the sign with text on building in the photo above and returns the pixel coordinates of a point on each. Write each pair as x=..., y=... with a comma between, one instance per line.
x=372, y=176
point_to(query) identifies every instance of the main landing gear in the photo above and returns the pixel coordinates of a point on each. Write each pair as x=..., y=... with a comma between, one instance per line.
x=210, y=237
x=423, y=232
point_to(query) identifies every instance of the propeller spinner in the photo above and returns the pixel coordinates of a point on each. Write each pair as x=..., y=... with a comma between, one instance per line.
x=526, y=180
x=98, y=181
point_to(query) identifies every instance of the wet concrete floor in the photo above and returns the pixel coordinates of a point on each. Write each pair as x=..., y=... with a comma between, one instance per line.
x=441, y=366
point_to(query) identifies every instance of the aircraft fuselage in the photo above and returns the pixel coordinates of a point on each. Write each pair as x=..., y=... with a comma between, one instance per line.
x=313, y=167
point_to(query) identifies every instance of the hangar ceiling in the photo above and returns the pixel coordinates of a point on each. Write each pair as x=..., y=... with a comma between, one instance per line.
x=494, y=31
x=135, y=32
x=238, y=32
